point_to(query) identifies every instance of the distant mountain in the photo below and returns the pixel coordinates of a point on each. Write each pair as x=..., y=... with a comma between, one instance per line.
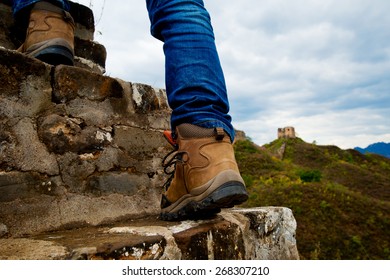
x=380, y=148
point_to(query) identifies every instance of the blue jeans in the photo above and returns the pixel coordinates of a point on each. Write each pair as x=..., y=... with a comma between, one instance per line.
x=19, y=5
x=194, y=79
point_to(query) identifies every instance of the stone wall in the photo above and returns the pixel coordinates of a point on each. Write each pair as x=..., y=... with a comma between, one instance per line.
x=76, y=146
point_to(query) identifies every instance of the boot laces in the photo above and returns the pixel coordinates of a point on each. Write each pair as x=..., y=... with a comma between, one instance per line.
x=169, y=163
x=170, y=160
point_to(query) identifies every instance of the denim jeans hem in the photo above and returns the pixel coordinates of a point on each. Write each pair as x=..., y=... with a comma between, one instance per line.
x=19, y=5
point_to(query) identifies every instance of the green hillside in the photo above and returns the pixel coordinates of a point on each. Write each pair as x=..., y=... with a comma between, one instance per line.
x=340, y=198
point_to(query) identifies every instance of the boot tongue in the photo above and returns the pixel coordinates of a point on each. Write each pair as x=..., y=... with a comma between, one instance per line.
x=46, y=6
x=193, y=131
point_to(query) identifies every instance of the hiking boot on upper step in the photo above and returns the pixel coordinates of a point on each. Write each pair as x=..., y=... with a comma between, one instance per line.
x=205, y=176
x=50, y=35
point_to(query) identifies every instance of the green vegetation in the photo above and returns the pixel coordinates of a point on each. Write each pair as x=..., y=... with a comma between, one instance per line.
x=340, y=198
x=309, y=175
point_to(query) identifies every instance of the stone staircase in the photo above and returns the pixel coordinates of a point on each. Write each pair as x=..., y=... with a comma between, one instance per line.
x=80, y=167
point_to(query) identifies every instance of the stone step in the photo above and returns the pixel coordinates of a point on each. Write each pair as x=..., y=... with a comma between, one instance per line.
x=237, y=234
x=88, y=53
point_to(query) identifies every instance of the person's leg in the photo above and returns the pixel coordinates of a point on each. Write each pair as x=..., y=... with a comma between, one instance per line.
x=50, y=30
x=206, y=177
x=194, y=78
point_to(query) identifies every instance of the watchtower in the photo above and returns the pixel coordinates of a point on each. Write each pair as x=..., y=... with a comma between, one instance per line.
x=286, y=132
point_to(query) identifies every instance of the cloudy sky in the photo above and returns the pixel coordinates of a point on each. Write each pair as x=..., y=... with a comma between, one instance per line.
x=322, y=66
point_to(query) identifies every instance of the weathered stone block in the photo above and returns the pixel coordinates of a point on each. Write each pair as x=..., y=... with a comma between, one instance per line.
x=25, y=88
x=92, y=52
x=92, y=113
x=32, y=249
x=67, y=81
x=84, y=19
x=138, y=141
x=117, y=182
x=218, y=239
x=270, y=232
x=63, y=134
x=17, y=185
x=108, y=159
x=45, y=213
x=6, y=21
x=147, y=98
x=29, y=153
x=238, y=234
x=75, y=169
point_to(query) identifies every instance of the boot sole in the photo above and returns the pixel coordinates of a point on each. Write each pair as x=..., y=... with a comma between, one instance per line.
x=206, y=204
x=54, y=51
x=55, y=55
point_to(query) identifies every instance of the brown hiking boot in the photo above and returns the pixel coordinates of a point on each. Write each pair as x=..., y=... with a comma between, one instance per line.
x=50, y=35
x=206, y=177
